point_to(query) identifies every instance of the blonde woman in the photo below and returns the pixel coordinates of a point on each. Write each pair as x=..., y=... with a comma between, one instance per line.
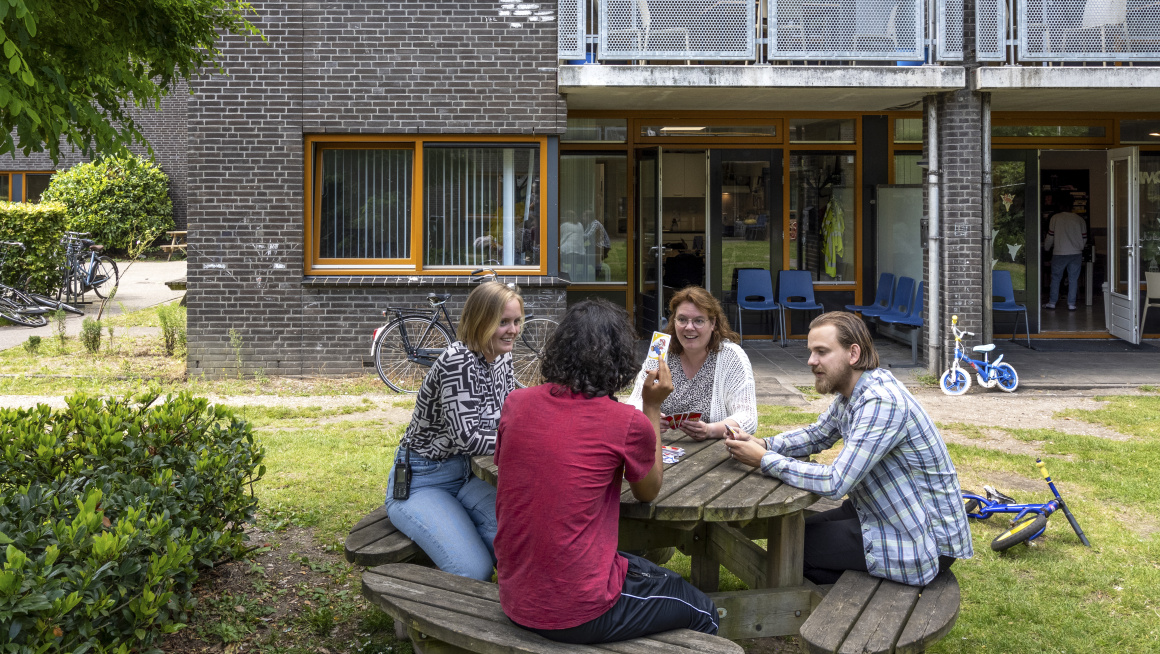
x=711, y=374
x=440, y=504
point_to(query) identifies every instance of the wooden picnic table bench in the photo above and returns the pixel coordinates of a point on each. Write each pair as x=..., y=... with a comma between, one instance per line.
x=448, y=614
x=375, y=541
x=867, y=614
x=176, y=242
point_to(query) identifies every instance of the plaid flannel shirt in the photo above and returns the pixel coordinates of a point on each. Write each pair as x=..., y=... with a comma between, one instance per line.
x=896, y=470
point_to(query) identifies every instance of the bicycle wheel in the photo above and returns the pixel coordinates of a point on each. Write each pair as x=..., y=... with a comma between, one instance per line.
x=1021, y=531
x=390, y=351
x=1007, y=377
x=970, y=504
x=13, y=315
x=106, y=272
x=955, y=381
x=528, y=350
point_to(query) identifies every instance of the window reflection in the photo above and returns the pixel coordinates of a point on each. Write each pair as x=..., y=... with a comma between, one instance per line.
x=594, y=217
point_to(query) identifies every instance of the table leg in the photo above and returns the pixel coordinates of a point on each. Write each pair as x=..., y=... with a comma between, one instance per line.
x=784, y=550
x=704, y=570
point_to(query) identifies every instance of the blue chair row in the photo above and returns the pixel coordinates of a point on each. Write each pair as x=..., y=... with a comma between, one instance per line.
x=899, y=306
x=795, y=290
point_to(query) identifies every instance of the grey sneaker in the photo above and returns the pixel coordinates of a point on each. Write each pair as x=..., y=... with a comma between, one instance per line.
x=1071, y=307
x=1049, y=305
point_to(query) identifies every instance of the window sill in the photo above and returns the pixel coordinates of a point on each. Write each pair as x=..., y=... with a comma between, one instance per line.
x=397, y=281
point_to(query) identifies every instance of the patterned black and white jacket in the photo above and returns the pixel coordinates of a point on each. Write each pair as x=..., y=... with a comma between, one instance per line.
x=457, y=409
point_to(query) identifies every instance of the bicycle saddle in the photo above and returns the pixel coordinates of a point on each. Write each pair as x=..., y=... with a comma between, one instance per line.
x=983, y=348
x=438, y=298
x=996, y=496
x=96, y=248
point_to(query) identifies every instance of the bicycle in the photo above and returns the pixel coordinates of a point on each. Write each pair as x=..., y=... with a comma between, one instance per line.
x=405, y=347
x=1030, y=521
x=33, y=301
x=956, y=380
x=79, y=276
x=17, y=306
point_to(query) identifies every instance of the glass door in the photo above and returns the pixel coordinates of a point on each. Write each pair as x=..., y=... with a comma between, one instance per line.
x=1124, y=243
x=651, y=251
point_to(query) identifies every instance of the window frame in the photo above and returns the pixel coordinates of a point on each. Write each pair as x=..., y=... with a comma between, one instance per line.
x=23, y=182
x=317, y=143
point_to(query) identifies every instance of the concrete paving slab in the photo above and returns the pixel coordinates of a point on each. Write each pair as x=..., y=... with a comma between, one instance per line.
x=142, y=285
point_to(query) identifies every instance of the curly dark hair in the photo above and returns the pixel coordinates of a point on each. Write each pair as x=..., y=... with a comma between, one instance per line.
x=593, y=351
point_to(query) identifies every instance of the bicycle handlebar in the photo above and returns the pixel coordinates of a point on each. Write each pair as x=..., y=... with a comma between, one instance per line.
x=490, y=273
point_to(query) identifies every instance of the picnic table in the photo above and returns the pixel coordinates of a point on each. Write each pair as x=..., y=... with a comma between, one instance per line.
x=176, y=242
x=713, y=509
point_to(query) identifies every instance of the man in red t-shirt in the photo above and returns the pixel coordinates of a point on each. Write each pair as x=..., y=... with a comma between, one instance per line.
x=562, y=450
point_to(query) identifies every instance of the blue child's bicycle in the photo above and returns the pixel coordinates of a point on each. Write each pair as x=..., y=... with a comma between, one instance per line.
x=956, y=380
x=1030, y=519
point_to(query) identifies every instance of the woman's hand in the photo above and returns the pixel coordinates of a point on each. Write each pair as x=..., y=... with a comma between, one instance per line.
x=700, y=431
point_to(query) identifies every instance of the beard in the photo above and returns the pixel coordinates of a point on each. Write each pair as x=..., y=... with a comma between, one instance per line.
x=832, y=381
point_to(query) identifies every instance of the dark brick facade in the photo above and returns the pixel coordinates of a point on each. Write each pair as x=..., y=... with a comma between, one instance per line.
x=331, y=68
x=166, y=132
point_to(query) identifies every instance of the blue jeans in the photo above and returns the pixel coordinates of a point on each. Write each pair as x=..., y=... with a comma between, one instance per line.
x=1070, y=262
x=450, y=514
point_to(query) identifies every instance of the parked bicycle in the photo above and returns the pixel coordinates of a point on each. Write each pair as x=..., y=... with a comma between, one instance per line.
x=21, y=306
x=1030, y=521
x=80, y=275
x=406, y=347
x=956, y=380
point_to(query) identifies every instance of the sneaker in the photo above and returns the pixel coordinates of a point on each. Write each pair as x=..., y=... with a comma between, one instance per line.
x=1049, y=305
x=1071, y=307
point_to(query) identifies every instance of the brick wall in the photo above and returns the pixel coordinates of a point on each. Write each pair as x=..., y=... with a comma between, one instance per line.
x=349, y=68
x=165, y=130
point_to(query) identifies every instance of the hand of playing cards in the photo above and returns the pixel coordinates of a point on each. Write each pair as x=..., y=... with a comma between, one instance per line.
x=676, y=420
x=670, y=454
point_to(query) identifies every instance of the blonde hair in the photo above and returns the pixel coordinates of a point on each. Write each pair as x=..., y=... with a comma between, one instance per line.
x=851, y=331
x=482, y=312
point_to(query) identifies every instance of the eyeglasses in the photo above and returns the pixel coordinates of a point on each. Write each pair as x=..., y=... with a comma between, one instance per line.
x=698, y=323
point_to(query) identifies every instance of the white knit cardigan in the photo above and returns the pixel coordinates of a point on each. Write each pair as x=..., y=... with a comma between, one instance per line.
x=734, y=393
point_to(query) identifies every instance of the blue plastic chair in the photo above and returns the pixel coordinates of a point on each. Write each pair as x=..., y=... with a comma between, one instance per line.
x=903, y=297
x=754, y=293
x=1001, y=286
x=911, y=318
x=799, y=284
x=882, y=298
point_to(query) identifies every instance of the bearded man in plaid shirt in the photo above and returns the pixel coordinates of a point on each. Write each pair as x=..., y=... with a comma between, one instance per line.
x=904, y=518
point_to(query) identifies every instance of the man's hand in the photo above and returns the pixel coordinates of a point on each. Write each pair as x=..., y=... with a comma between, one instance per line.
x=657, y=386
x=745, y=448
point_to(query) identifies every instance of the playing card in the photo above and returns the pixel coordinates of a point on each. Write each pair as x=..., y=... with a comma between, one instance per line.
x=659, y=347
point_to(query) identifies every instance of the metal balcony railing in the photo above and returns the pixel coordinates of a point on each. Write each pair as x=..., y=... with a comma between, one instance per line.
x=1086, y=30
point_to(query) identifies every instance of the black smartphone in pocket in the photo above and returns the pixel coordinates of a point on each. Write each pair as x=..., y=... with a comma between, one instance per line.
x=402, y=487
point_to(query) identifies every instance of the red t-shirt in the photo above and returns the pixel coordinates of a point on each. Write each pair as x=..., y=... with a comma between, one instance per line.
x=560, y=458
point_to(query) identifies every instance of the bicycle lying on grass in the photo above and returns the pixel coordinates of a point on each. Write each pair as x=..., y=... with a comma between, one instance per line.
x=24, y=307
x=404, y=348
x=1030, y=520
x=956, y=380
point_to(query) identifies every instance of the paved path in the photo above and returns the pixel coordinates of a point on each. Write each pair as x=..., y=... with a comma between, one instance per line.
x=142, y=285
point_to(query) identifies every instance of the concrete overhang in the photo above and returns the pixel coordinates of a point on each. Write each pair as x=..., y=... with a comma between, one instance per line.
x=1070, y=88
x=755, y=88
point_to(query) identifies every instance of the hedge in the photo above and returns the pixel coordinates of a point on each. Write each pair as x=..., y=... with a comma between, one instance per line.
x=115, y=199
x=39, y=227
x=108, y=508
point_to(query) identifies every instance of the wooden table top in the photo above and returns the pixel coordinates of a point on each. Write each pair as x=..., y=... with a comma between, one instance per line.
x=706, y=485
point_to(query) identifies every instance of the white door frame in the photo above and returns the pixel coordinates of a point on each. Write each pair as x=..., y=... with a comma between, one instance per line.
x=1123, y=273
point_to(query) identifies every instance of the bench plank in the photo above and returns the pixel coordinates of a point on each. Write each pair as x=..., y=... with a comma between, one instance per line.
x=375, y=541
x=470, y=617
x=934, y=616
x=882, y=620
x=829, y=624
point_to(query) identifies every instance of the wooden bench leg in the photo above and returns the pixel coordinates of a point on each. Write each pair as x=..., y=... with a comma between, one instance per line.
x=785, y=548
x=704, y=570
x=421, y=643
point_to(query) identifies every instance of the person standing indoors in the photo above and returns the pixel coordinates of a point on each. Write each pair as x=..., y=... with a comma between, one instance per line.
x=711, y=374
x=1066, y=236
x=440, y=504
x=904, y=519
x=563, y=449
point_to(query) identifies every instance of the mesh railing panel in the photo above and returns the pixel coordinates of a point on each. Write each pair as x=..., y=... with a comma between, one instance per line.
x=846, y=29
x=990, y=30
x=1091, y=30
x=949, y=37
x=570, y=29
x=677, y=29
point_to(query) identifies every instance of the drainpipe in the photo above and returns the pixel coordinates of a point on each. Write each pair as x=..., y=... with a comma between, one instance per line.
x=933, y=344
x=988, y=220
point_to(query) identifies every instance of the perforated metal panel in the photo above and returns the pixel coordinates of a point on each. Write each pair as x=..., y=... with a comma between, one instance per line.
x=846, y=29
x=1091, y=30
x=571, y=27
x=991, y=30
x=677, y=29
x=949, y=29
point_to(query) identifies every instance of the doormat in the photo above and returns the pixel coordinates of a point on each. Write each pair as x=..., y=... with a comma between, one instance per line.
x=1091, y=345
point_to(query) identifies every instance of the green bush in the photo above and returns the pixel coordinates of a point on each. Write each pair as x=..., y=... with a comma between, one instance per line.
x=39, y=227
x=107, y=510
x=114, y=199
x=91, y=335
x=172, y=317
